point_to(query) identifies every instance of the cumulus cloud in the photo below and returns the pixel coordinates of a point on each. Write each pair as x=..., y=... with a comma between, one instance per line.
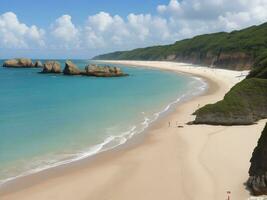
x=174, y=7
x=217, y=14
x=65, y=32
x=104, y=30
x=14, y=34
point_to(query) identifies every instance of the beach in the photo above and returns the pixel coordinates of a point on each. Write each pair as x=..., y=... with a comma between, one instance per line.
x=168, y=162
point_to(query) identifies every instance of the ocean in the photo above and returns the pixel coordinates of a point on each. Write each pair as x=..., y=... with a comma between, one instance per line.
x=47, y=120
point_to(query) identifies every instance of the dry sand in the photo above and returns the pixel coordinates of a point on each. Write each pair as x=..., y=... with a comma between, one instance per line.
x=197, y=162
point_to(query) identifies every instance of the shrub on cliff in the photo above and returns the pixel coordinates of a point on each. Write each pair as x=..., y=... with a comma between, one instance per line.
x=244, y=104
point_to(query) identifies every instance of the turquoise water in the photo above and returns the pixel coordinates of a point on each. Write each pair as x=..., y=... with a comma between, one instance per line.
x=47, y=119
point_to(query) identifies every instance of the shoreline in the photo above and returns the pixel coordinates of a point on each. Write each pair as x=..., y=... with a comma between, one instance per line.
x=129, y=137
x=175, y=148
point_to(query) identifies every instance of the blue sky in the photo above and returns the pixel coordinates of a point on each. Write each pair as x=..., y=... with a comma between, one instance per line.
x=44, y=12
x=85, y=28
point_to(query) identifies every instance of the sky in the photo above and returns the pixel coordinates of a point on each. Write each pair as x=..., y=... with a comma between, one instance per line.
x=85, y=28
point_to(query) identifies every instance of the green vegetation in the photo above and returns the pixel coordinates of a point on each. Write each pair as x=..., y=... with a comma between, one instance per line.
x=259, y=72
x=244, y=104
x=220, y=49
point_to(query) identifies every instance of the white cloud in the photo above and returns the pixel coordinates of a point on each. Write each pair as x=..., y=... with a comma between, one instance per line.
x=101, y=21
x=218, y=14
x=65, y=32
x=173, y=7
x=103, y=30
x=14, y=34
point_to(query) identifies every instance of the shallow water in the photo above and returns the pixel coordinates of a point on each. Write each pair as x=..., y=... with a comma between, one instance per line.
x=48, y=119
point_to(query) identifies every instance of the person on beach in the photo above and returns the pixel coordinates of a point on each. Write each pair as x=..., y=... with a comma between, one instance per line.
x=169, y=124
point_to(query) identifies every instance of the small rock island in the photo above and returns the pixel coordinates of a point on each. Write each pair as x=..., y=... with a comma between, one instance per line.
x=70, y=68
x=103, y=71
x=22, y=63
x=51, y=67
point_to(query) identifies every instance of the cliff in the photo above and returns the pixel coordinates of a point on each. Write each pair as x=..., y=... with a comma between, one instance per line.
x=257, y=182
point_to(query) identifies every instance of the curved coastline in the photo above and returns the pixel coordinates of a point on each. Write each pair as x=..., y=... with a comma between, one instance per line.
x=125, y=138
x=168, y=163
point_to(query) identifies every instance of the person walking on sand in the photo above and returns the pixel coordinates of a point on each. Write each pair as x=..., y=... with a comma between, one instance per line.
x=169, y=124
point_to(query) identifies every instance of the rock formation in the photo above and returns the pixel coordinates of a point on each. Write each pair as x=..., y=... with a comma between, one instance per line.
x=38, y=64
x=257, y=182
x=51, y=67
x=19, y=63
x=234, y=61
x=244, y=104
x=71, y=69
x=105, y=71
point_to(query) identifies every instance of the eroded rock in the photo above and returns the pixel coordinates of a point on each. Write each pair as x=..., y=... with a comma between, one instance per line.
x=71, y=69
x=52, y=67
x=103, y=71
x=19, y=63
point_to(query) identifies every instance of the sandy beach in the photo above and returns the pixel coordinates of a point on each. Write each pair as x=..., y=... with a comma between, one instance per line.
x=192, y=163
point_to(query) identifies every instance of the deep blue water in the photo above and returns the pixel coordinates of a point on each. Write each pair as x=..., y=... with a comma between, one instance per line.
x=46, y=119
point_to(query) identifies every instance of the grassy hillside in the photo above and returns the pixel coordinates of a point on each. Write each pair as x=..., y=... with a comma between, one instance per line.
x=238, y=49
x=244, y=104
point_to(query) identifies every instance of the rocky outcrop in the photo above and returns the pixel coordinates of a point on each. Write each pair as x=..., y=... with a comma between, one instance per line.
x=244, y=104
x=71, y=69
x=19, y=63
x=257, y=182
x=103, y=71
x=224, y=119
x=236, y=60
x=52, y=67
x=38, y=64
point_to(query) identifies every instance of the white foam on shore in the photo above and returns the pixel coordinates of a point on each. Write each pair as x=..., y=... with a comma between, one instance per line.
x=117, y=140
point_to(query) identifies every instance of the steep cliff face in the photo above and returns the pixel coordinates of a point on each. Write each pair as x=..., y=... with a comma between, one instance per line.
x=257, y=182
x=236, y=60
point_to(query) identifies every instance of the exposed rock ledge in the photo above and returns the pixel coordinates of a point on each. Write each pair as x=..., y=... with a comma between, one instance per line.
x=19, y=63
x=22, y=63
x=52, y=67
x=71, y=69
x=257, y=182
x=105, y=71
x=93, y=70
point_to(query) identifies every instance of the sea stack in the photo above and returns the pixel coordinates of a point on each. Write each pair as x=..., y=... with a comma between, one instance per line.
x=52, y=67
x=103, y=71
x=19, y=63
x=257, y=182
x=71, y=69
